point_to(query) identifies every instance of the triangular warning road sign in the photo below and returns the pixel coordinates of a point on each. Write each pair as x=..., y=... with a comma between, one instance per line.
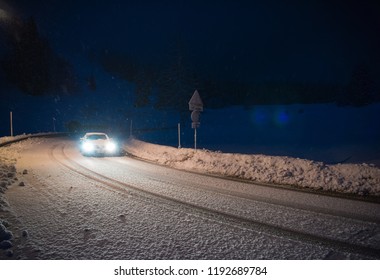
x=195, y=103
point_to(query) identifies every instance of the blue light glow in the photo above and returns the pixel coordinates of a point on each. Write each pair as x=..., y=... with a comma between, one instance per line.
x=281, y=117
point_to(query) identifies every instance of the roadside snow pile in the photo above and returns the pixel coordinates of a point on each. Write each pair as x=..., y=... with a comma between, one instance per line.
x=7, y=139
x=7, y=174
x=11, y=139
x=360, y=179
x=8, y=160
x=7, y=177
x=5, y=235
x=7, y=164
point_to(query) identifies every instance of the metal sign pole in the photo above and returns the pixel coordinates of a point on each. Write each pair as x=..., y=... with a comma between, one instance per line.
x=195, y=138
x=179, y=136
x=196, y=106
x=53, y=124
x=11, y=115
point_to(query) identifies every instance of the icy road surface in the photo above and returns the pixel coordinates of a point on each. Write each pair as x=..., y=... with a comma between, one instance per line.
x=75, y=207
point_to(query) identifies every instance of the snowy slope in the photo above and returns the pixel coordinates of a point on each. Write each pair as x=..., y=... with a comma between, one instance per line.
x=361, y=179
x=64, y=216
x=7, y=175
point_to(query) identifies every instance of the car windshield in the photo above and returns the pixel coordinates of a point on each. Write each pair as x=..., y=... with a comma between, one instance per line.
x=96, y=137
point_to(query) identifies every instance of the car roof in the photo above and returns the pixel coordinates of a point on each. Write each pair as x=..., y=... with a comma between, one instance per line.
x=95, y=133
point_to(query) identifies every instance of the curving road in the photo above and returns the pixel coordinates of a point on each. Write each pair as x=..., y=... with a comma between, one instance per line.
x=77, y=207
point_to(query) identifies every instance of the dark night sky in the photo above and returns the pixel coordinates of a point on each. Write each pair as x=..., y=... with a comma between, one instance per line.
x=312, y=41
x=271, y=42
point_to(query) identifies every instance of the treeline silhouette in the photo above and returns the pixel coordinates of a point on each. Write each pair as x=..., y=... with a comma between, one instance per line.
x=30, y=62
x=32, y=65
x=171, y=84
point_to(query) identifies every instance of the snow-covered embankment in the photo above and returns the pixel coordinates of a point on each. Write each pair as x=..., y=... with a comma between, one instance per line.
x=359, y=179
x=7, y=177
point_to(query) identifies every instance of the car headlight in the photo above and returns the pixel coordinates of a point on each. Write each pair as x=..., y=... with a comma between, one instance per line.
x=88, y=147
x=111, y=147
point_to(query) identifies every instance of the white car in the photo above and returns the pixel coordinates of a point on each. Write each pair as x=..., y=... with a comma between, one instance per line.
x=97, y=143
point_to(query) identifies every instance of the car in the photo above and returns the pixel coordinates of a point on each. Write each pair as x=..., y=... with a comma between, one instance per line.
x=98, y=144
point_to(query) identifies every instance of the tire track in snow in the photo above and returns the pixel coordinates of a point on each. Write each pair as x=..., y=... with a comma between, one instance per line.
x=357, y=214
x=229, y=219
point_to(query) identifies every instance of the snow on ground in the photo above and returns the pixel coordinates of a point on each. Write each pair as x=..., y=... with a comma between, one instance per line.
x=7, y=175
x=8, y=158
x=8, y=161
x=10, y=139
x=7, y=139
x=359, y=179
x=62, y=216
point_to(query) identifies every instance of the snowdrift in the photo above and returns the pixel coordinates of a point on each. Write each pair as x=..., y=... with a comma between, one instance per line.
x=359, y=179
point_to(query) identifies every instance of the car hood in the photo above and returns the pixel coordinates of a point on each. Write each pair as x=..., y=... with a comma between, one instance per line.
x=98, y=142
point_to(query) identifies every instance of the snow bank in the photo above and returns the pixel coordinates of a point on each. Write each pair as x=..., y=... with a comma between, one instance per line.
x=13, y=139
x=7, y=177
x=10, y=139
x=360, y=179
x=7, y=161
x=7, y=174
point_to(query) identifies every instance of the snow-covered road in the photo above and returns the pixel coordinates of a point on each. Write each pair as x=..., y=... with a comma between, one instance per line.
x=75, y=207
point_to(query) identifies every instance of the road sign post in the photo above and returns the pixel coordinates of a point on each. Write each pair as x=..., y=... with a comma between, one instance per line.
x=11, y=117
x=179, y=136
x=196, y=106
x=195, y=138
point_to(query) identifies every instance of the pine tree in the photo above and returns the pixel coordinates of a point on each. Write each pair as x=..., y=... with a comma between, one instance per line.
x=32, y=65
